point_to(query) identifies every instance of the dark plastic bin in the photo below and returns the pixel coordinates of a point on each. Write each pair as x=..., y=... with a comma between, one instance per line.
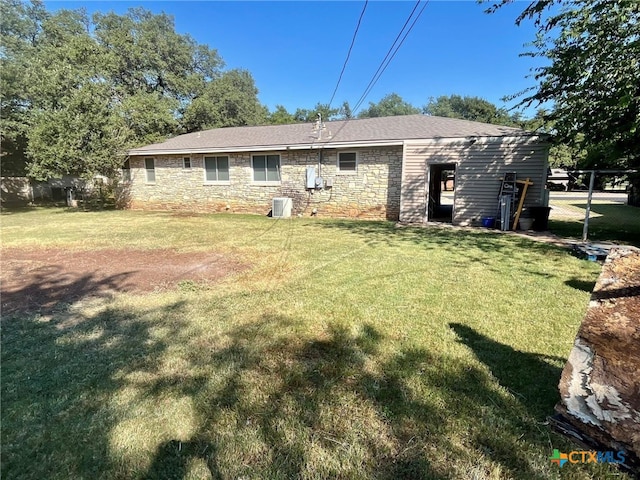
x=540, y=218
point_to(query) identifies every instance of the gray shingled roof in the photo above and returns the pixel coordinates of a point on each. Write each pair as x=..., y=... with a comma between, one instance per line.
x=367, y=130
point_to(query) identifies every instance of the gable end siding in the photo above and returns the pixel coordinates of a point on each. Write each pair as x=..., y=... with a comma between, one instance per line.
x=479, y=168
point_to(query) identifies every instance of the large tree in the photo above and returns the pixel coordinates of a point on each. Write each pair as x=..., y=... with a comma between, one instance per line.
x=229, y=101
x=19, y=27
x=591, y=76
x=468, y=108
x=389, y=105
x=280, y=116
x=311, y=115
x=77, y=92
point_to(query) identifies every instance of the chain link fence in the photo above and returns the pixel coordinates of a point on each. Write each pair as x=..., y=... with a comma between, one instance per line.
x=571, y=206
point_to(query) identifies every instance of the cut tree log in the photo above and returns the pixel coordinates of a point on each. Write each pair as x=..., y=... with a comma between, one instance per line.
x=600, y=384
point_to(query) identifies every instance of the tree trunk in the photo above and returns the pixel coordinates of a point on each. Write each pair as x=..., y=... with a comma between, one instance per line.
x=633, y=197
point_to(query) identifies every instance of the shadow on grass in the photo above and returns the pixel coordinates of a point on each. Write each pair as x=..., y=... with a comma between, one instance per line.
x=466, y=246
x=13, y=209
x=59, y=376
x=532, y=378
x=617, y=223
x=267, y=403
x=52, y=287
x=318, y=407
x=585, y=286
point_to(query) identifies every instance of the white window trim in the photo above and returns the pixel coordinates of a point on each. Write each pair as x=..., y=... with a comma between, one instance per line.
x=347, y=172
x=126, y=172
x=184, y=166
x=146, y=171
x=204, y=171
x=266, y=183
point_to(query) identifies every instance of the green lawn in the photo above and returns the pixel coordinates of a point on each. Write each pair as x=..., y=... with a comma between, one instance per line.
x=348, y=350
x=610, y=222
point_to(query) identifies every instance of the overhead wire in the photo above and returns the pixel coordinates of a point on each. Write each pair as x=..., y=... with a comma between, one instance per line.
x=388, y=58
x=344, y=66
x=393, y=50
x=380, y=69
x=346, y=60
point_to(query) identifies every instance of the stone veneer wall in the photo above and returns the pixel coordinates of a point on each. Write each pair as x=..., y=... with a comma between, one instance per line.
x=371, y=192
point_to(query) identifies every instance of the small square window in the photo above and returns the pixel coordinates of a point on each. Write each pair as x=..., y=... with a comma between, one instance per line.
x=150, y=169
x=186, y=163
x=347, y=162
x=216, y=169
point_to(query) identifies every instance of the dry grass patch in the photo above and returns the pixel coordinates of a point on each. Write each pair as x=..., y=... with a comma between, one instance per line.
x=346, y=350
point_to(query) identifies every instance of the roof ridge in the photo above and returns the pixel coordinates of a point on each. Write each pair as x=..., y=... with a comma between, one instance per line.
x=358, y=130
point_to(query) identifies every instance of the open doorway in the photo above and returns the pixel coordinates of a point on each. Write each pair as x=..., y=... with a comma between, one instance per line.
x=442, y=186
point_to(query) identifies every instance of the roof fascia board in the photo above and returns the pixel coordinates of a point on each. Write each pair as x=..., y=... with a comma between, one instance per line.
x=261, y=148
x=478, y=139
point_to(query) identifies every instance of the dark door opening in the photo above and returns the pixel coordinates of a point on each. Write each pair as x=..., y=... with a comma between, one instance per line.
x=442, y=185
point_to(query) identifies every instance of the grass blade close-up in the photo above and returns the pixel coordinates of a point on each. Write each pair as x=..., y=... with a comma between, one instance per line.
x=157, y=345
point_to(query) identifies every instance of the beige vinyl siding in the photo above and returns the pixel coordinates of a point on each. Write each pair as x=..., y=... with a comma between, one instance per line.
x=479, y=168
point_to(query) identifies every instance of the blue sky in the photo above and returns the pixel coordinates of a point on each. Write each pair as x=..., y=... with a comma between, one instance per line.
x=295, y=49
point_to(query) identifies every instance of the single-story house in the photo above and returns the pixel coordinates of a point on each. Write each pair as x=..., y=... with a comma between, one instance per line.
x=388, y=167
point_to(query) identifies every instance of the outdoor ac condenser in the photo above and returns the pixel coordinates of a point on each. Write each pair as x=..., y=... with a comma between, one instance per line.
x=281, y=207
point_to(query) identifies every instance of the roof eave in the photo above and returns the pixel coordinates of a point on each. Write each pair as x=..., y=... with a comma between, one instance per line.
x=263, y=148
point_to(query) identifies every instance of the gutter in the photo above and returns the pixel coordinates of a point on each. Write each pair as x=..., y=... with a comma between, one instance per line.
x=262, y=148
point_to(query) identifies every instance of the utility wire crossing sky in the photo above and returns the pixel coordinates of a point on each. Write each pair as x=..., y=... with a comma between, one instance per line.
x=301, y=53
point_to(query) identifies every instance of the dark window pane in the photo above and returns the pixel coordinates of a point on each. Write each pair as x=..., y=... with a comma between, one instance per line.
x=260, y=168
x=347, y=161
x=150, y=169
x=273, y=168
x=210, y=169
x=223, y=169
x=126, y=170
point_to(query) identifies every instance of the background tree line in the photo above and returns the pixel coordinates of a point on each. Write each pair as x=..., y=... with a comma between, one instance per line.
x=78, y=91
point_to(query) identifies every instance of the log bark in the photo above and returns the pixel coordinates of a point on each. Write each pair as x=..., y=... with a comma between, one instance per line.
x=600, y=383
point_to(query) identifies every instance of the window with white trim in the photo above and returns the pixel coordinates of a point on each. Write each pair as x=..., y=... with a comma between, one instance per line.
x=347, y=162
x=150, y=169
x=186, y=163
x=126, y=171
x=266, y=168
x=216, y=169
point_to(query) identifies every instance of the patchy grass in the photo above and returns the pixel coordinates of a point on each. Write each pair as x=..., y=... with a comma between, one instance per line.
x=348, y=350
x=612, y=222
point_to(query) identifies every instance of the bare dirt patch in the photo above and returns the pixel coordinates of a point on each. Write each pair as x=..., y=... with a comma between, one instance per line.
x=40, y=279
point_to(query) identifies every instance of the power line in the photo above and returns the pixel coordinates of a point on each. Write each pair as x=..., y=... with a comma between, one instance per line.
x=353, y=40
x=390, y=55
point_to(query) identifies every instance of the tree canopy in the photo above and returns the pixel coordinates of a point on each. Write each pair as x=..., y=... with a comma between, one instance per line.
x=389, y=105
x=228, y=101
x=469, y=108
x=592, y=76
x=77, y=92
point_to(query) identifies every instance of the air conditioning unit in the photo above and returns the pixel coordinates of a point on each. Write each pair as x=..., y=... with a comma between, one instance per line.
x=281, y=207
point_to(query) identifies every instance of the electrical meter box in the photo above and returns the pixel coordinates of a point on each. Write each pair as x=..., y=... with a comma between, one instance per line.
x=319, y=182
x=311, y=177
